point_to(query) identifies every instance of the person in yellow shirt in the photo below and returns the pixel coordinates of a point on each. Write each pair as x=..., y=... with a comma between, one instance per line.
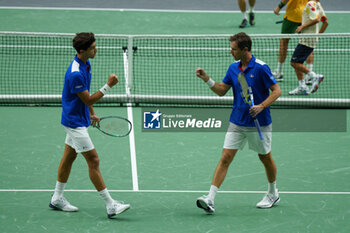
x=292, y=20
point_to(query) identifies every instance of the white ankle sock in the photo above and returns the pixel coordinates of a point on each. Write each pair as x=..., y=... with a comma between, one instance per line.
x=279, y=67
x=212, y=192
x=309, y=66
x=302, y=83
x=272, y=188
x=59, y=189
x=245, y=15
x=104, y=194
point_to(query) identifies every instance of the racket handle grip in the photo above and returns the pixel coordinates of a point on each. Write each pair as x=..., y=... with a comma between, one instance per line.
x=257, y=125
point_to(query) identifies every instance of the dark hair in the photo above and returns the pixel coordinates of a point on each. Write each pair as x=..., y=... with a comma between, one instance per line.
x=242, y=40
x=83, y=40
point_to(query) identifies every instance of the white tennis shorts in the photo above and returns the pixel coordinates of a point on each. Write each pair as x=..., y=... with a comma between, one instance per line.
x=237, y=136
x=79, y=139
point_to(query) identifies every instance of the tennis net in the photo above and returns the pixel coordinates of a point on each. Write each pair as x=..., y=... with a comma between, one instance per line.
x=160, y=70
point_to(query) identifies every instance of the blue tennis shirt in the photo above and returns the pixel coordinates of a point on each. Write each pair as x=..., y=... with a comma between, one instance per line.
x=260, y=78
x=77, y=79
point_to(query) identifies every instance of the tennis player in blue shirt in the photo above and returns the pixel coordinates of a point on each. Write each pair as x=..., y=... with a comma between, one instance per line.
x=77, y=115
x=241, y=129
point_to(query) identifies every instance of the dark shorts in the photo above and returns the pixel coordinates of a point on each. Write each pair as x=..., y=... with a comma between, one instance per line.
x=301, y=53
x=289, y=27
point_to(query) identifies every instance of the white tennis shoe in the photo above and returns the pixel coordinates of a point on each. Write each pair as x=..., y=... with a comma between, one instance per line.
x=308, y=79
x=62, y=204
x=300, y=90
x=269, y=200
x=278, y=76
x=116, y=208
x=206, y=204
x=316, y=83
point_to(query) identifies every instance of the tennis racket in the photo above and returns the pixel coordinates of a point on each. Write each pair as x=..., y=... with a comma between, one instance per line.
x=279, y=21
x=114, y=126
x=247, y=95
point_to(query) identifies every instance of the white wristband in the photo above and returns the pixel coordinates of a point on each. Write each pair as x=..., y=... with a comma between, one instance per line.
x=105, y=89
x=210, y=83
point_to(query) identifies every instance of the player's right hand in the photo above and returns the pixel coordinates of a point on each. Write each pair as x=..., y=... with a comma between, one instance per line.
x=276, y=10
x=95, y=121
x=202, y=74
x=299, y=29
x=112, y=80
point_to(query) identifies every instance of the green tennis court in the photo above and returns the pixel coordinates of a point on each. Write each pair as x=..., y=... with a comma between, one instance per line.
x=172, y=169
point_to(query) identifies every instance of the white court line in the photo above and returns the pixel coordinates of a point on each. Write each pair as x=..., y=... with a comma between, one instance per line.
x=142, y=10
x=176, y=191
x=135, y=182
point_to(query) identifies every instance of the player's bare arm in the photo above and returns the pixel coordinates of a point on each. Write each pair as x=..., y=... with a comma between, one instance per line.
x=90, y=100
x=218, y=88
x=275, y=93
x=95, y=120
x=280, y=6
x=308, y=24
x=324, y=21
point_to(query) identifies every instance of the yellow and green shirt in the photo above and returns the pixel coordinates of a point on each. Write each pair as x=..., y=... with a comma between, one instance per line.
x=294, y=10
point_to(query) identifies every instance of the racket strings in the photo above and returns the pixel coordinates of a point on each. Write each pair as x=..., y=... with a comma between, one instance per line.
x=115, y=126
x=245, y=89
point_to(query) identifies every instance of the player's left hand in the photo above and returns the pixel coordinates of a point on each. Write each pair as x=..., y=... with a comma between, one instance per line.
x=255, y=110
x=95, y=121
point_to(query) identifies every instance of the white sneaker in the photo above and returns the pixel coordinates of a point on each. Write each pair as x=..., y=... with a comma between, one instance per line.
x=62, y=204
x=269, y=200
x=316, y=83
x=300, y=90
x=278, y=76
x=116, y=208
x=308, y=79
x=206, y=204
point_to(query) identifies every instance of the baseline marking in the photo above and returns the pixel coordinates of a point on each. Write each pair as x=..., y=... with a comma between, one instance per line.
x=175, y=191
x=143, y=10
